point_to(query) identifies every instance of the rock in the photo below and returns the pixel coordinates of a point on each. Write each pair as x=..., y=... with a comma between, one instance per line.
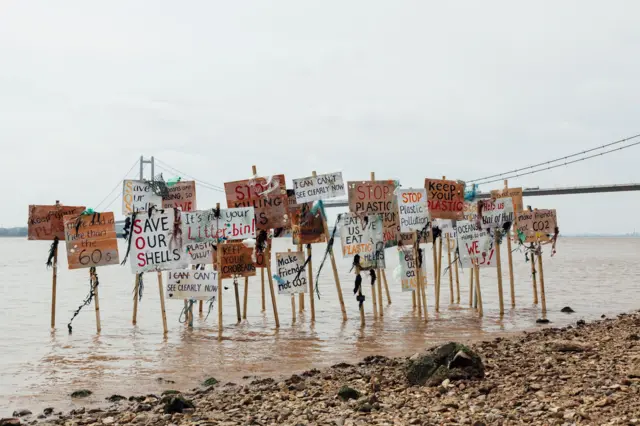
x=10, y=422
x=581, y=323
x=171, y=392
x=451, y=361
x=22, y=413
x=634, y=373
x=116, y=398
x=633, y=337
x=108, y=420
x=177, y=404
x=211, y=381
x=542, y=321
x=342, y=365
x=48, y=411
x=141, y=408
x=566, y=346
x=137, y=398
x=346, y=393
x=83, y=393
x=567, y=310
x=366, y=407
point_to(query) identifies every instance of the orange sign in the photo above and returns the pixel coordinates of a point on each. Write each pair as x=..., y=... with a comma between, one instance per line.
x=536, y=225
x=267, y=195
x=46, y=222
x=306, y=227
x=91, y=240
x=445, y=198
x=236, y=260
x=514, y=193
x=377, y=198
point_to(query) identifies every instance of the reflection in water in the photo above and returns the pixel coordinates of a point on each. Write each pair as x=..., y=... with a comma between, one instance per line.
x=41, y=368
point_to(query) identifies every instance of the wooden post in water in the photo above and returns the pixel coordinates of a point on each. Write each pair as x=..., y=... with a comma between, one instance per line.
x=54, y=280
x=264, y=308
x=451, y=299
x=219, y=263
x=415, y=260
x=246, y=293
x=379, y=280
x=440, y=266
x=509, y=255
x=164, y=313
x=136, y=289
x=499, y=270
x=310, y=274
x=413, y=299
x=96, y=300
x=455, y=264
x=362, y=323
x=478, y=292
x=533, y=271
x=293, y=301
x=386, y=286
x=471, y=287
x=237, y=293
x=541, y=272
x=436, y=290
x=422, y=279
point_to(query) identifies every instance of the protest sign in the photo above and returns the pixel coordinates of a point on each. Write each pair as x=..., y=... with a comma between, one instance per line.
x=446, y=226
x=475, y=245
x=138, y=196
x=470, y=211
x=319, y=187
x=261, y=258
x=47, y=222
x=307, y=226
x=289, y=266
x=237, y=260
x=199, y=253
x=377, y=198
x=182, y=195
x=91, y=240
x=412, y=206
x=536, y=225
x=192, y=284
x=409, y=269
x=156, y=244
x=514, y=193
x=363, y=235
x=496, y=213
x=231, y=224
x=445, y=198
x=267, y=195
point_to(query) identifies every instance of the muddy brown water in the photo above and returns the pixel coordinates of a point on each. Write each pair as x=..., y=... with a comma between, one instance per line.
x=40, y=368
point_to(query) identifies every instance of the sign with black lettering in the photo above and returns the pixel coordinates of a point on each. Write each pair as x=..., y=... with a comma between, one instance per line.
x=156, y=242
x=409, y=269
x=496, y=213
x=537, y=225
x=412, y=205
x=47, y=222
x=91, y=240
x=319, y=187
x=229, y=224
x=237, y=260
x=267, y=195
x=192, y=284
x=377, y=198
x=289, y=266
x=362, y=235
x=199, y=253
x=445, y=198
x=475, y=245
x=137, y=196
x=181, y=195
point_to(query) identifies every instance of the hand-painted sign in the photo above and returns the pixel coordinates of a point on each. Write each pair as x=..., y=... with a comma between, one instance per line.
x=156, y=242
x=138, y=196
x=320, y=187
x=182, y=195
x=409, y=269
x=536, y=225
x=496, y=213
x=267, y=195
x=362, y=235
x=412, y=205
x=475, y=245
x=237, y=260
x=207, y=226
x=91, y=240
x=470, y=211
x=46, y=222
x=514, y=193
x=377, y=198
x=192, y=284
x=307, y=226
x=446, y=226
x=199, y=253
x=445, y=198
x=290, y=266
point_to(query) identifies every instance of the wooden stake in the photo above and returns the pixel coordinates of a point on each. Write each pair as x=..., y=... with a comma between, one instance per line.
x=135, y=300
x=439, y=265
x=499, y=271
x=386, y=287
x=422, y=280
x=451, y=299
x=478, y=293
x=54, y=280
x=246, y=293
x=533, y=276
x=164, y=313
x=96, y=300
x=541, y=272
x=455, y=261
x=301, y=301
x=471, y=287
x=264, y=308
x=310, y=272
x=293, y=302
x=337, y=280
x=219, y=263
x=362, y=323
x=510, y=256
x=374, y=301
x=271, y=290
x=436, y=290
x=413, y=299
x=419, y=297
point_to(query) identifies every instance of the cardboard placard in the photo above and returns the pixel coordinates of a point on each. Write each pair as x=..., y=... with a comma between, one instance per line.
x=445, y=198
x=154, y=244
x=192, y=284
x=377, y=198
x=470, y=211
x=232, y=224
x=267, y=195
x=261, y=256
x=495, y=213
x=363, y=235
x=237, y=260
x=536, y=225
x=199, y=253
x=91, y=240
x=182, y=195
x=413, y=212
x=446, y=226
x=319, y=187
x=47, y=222
x=137, y=196
x=306, y=227
x=514, y=193
x=289, y=266
x=409, y=269
x=475, y=245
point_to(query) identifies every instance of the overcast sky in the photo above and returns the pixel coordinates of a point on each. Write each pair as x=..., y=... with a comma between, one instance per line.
x=408, y=89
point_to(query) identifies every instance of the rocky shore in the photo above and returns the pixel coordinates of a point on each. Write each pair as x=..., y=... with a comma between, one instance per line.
x=582, y=374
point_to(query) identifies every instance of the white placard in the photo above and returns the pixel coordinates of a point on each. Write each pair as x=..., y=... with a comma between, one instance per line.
x=412, y=205
x=199, y=253
x=154, y=247
x=137, y=196
x=475, y=245
x=232, y=224
x=409, y=269
x=363, y=235
x=446, y=227
x=192, y=284
x=289, y=266
x=320, y=187
x=495, y=213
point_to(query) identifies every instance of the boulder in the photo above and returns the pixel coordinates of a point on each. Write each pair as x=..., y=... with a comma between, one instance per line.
x=22, y=413
x=346, y=393
x=177, y=404
x=116, y=398
x=567, y=310
x=210, y=382
x=10, y=422
x=83, y=393
x=452, y=361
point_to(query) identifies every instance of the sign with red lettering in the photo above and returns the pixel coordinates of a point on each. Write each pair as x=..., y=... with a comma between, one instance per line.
x=536, y=225
x=138, y=196
x=496, y=213
x=412, y=205
x=363, y=235
x=237, y=260
x=445, y=198
x=208, y=225
x=377, y=198
x=268, y=195
x=475, y=245
x=156, y=242
x=514, y=193
x=46, y=222
x=307, y=227
x=91, y=240
x=182, y=195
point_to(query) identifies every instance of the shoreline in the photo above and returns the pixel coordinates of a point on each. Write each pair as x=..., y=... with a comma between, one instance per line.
x=586, y=372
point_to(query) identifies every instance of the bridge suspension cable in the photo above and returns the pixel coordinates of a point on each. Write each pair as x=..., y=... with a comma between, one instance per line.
x=171, y=169
x=118, y=185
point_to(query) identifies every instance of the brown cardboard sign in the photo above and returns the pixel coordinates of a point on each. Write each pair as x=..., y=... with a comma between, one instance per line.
x=377, y=198
x=236, y=260
x=514, y=193
x=182, y=195
x=306, y=227
x=46, y=222
x=91, y=240
x=268, y=195
x=445, y=198
x=536, y=225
